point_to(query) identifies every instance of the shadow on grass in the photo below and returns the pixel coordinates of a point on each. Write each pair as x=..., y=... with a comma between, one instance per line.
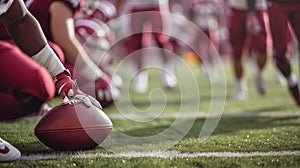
x=226, y=125
x=235, y=124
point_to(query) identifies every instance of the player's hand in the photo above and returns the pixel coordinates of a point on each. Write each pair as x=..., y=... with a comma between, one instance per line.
x=106, y=90
x=252, y=24
x=66, y=87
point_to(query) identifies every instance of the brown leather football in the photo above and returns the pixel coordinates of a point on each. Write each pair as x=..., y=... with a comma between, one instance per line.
x=73, y=126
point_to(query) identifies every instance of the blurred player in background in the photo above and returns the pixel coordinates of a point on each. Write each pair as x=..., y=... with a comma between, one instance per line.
x=179, y=34
x=224, y=46
x=146, y=21
x=247, y=20
x=25, y=83
x=207, y=14
x=281, y=13
x=97, y=36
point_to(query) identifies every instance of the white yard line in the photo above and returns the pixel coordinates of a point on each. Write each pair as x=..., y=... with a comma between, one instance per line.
x=175, y=154
x=187, y=115
x=158, y=154
x=191, y=115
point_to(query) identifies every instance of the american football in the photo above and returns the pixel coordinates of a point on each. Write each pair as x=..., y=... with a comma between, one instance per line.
x=73, y=126
x=182, y=83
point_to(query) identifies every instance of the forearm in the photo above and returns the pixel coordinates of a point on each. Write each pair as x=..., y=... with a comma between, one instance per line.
x=24, y=28
x=27, y=34
x=76, y=55
x=63, y=34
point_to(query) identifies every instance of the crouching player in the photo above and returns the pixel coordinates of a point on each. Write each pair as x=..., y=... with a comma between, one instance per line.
x=25, y=84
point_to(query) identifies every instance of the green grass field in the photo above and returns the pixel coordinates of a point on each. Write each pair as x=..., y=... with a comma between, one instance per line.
x=162, y=128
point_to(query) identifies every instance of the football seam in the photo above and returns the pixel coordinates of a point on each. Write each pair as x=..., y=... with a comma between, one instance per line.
x=74, y=129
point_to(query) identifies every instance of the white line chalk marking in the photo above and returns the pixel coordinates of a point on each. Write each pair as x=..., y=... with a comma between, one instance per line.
x=191, y=115
x=157, y=154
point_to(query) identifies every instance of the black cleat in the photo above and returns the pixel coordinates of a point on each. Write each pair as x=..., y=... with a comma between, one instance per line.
x=295, y=93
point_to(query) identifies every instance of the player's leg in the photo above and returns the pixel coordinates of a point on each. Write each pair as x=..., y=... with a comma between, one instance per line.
x=295, y=23
x=139, y=22
x=168, y=75
x=160, y=25
x=259, y=48
x=237, y=32
x=296, y=27
x=279, y=26
x=24, y=84
x=207, y=43
x=140, y=79
x=160, y=22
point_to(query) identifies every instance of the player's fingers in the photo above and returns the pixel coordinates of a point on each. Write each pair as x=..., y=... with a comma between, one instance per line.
x=84, y=99
x=100, y=94
x=65, y=100
x=63, y=96
x=95, y=102
x=115, y=93
x=108, y=96
x=70, y=93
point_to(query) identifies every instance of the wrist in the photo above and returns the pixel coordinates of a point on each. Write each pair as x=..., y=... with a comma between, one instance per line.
x=105, y=78
x=63, y=74
x=48, y=59
x=92, y=72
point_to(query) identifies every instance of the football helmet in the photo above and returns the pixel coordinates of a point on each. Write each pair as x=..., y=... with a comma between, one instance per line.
x=102, y=9
x=94, y=35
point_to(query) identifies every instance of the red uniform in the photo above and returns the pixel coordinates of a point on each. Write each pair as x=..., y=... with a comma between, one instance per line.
x=280, y=13
x=40, y=10
x=152, y=15
x=24, y=84
x=205, y=14
x=20, y=75
x=238, y=31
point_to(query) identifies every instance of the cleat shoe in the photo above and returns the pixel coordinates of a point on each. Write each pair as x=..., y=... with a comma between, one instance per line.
x=8, y=152
x=260, y=83
x=141, y=82
x=240, y=90
x=169, y=79
x=294, y=90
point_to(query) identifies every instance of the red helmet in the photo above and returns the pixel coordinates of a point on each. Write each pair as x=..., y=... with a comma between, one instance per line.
x=103, y=10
